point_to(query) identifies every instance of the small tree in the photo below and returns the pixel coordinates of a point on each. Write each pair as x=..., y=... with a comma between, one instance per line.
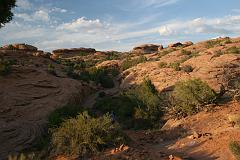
x=5, y=11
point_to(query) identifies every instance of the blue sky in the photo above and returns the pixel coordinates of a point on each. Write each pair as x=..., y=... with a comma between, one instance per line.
x=119, y=24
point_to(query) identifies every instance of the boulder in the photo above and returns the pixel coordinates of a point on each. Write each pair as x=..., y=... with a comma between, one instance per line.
x=173, y=45
x=147, y=48
x=188, y=43
x=160, y=47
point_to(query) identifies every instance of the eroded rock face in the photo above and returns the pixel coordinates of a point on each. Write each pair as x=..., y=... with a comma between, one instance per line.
x=67, y=53
x=27, y=96
x=147, y=48
x=24, y=47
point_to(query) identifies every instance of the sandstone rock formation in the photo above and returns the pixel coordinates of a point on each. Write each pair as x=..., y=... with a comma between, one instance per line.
x=188, y=43
x=147, y=48
x=27, y=96
x=215, y=70
x=24, y=47
x=67, y=53
x=109, y=64
x=173, y=45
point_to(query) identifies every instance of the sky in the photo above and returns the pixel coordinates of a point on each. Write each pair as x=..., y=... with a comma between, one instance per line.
x=119, y=24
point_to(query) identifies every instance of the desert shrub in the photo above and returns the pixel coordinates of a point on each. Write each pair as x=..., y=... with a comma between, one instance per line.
x=213, y=43
x=187, y=68
x=85, y=135
x=218, y=53
x=141, y=103
x=22, y=156
x=234, y=147
x=165, y=52
x=149, y=103
x=233, y=50
x=51, y=69
x=175, y=66
x=59, y=115
x=128, y=63
x=101, y=94
x=185, y=52
x=5, y=67
x=98, y=75
x=163, y=64
x=190, y=96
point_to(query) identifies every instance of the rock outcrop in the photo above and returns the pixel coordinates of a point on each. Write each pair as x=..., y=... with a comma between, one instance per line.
x=68, y=53
x=147, y=48
x=27, y=96
x=188, y=43
x=109, y=64
x=23, y=47
x=216, y=70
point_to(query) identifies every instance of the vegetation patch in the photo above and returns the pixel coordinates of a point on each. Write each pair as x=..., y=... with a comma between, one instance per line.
x=163, y=65
x=218, y=42
x=233, y=50
x=234, y=147
x=187, y=68
x=138, y=108
x=51, y=69
x=128, y=63
x=86, y=135
x=5, y=67
x=191, y=96
x=63, y=113
x=175, y=66
x=98, y=75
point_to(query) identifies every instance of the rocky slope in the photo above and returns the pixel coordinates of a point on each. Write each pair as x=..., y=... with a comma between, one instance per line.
x=214, y=65
x=27, y=95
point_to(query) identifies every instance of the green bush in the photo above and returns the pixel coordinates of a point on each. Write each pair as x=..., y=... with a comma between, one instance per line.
x=63, y=113
x=85, y=135
x=5, y=67
x=175, y=66
x=128, y=63
x=234, y=147
x=51, y=69
x=218, y=53
x=163, y=64
x=22, y=156
x=233, y=50
x=190, y=96
x=185, y=52
x=141, y=103
x=187, y=68
x=98, y=75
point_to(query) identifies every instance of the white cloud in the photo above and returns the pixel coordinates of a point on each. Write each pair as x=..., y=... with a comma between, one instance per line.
x=24, y=4
x=39, y=15
x=154, y=3
x=224, y=25
x=83, y=23
x=60, y=10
